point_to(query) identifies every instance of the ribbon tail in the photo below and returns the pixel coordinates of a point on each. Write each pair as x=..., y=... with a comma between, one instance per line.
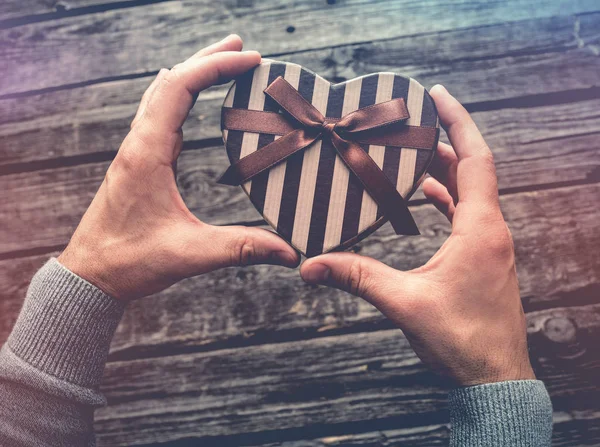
x=230, y=176
x=267, y=157
x=408, y=226
x=377, y=184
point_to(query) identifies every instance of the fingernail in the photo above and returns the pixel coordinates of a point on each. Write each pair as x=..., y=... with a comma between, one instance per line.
x=317, y=274
x=285, y=258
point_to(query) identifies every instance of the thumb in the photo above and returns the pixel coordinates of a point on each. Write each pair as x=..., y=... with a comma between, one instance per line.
x=228, y=246
x=381, y=285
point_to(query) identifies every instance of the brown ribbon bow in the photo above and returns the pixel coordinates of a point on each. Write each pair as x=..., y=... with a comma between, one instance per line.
x=376, y=124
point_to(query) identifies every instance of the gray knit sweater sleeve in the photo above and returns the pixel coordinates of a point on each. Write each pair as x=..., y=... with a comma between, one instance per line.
x=513, y=413
x=52, y=364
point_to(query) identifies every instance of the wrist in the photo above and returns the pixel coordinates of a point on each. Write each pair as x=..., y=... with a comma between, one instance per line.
x=519, y=371
x=497, y=370
x=91, y=266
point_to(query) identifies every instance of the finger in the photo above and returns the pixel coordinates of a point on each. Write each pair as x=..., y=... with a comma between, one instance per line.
x=461, y=129
x=443, y=168
x=170, y=103
x=233, y=42
x=367, y=278
x=146, y=97
x=440, y=197
x=228, y=246
x=476, y=175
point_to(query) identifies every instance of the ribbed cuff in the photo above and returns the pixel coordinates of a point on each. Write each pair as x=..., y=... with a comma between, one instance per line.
x=515, y=413
x=65, y=326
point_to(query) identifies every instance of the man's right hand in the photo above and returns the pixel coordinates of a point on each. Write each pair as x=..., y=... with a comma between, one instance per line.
x=461, y=311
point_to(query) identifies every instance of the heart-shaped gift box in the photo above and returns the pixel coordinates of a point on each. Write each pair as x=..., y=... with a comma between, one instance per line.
x=317, y=187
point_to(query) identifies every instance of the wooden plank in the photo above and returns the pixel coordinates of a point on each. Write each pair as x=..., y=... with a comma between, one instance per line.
x=569, y=430
x=580, y=428
x=18, y=11
x=135, y=41
x=552, y=35
x=312, y=384
x=552, y=230
x=429, y=435
x=534, y=146
x=477, y=65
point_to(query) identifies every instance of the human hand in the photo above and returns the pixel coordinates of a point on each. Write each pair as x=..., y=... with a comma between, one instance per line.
x=461, y=311
x=138, y=237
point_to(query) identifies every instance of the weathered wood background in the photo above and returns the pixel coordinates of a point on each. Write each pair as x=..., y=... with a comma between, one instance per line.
x=255, y=356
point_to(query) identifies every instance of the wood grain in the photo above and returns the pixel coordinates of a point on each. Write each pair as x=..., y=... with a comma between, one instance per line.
x=328, y=381
x=570, y=429
x=430, y=435
x=477, y=65
x=13, y=11
x=552, y=229
x=144, y=39
x=254, y=356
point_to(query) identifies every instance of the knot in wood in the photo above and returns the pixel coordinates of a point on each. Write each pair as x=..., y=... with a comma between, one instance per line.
x=560, y=330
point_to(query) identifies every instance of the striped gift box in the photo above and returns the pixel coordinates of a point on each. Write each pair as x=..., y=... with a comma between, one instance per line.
x=312, y=199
